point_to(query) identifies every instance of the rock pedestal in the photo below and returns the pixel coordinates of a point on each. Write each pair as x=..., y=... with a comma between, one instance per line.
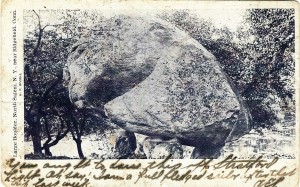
x=156, y=148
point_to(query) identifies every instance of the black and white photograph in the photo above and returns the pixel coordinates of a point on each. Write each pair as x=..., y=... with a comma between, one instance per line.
x=150, y=93
x=178, y=83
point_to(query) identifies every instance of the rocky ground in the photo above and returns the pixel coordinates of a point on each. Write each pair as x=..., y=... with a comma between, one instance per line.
x=279, y=141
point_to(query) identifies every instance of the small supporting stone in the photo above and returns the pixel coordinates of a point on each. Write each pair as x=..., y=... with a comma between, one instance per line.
x=157, y=148
x=139, y=152
x=125, y=144
x=206, y=152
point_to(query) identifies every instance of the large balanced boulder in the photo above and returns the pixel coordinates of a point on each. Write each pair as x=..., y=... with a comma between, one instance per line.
x=149, y=77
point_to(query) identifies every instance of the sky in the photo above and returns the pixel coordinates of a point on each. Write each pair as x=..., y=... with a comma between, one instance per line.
x=230, y=18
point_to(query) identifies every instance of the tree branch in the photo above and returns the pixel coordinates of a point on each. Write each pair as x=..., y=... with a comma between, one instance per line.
x=54, y=83
x=40, y=34
x=29, y=78
x=82, y=124
x=47, y=132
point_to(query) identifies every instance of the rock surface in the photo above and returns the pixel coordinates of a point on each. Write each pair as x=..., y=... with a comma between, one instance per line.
x=116, y=55
x=125, y=143
x=156, y=148
x=151, y=78
x=206, y=152
x=139, y=151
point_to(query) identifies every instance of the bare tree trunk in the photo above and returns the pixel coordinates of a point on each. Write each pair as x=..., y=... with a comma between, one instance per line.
x=79, y=148
x=47, y=150
x=78, y=128
x=36, y=140
x=35, y=134
x=48, y=144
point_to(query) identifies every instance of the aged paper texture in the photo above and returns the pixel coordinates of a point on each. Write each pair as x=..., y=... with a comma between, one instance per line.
x=150, y=93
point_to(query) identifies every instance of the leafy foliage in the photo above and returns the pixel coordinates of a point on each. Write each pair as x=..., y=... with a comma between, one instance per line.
x=258, y=58
x=49, y=114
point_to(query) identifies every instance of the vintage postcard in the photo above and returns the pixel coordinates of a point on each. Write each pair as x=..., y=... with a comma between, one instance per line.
x=150, y=93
